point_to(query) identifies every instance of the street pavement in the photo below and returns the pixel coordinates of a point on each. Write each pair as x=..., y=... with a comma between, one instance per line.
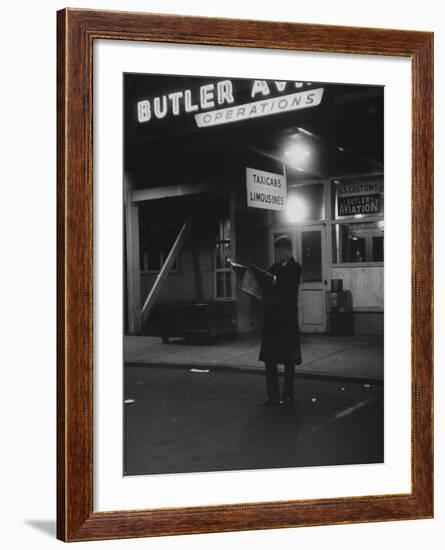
x=181, y=420
x=324, y=355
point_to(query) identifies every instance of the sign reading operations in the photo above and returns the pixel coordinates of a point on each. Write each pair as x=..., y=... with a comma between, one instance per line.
x=265, y=189
x=264, y=107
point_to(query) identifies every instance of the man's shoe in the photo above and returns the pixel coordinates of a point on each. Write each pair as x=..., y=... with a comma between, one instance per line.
x=287, y=402
x=271, y=402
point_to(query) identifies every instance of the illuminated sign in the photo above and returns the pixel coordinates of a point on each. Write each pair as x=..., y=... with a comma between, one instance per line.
x=266, y=189
x=215, y=103
x=183, y=101
x=357, y=189
x=264, y=107
x=362, y=204
x=358, y=198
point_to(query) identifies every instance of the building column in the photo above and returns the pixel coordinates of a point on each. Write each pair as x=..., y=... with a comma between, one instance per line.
x=133, y=273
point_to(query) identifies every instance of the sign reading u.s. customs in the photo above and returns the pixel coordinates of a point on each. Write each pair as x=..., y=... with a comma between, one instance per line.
x=356, y=189
x=358, y=198
x=266, y=189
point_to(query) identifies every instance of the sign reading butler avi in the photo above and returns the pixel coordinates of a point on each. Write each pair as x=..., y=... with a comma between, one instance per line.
x=217, y=103
x=266, y=189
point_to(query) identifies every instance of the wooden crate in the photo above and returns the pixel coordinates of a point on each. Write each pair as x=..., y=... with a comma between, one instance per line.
x=192, y=320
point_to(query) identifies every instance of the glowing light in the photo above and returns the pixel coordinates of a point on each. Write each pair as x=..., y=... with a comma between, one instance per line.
x=381, y=224
x=296, y=209
x=304, y=131
x=297, y=152
x=359, y=216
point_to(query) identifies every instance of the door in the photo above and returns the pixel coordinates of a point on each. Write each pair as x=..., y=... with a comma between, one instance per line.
x=311, y=254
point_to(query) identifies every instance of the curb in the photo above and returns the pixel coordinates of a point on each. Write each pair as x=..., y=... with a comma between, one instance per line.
x=260, y=370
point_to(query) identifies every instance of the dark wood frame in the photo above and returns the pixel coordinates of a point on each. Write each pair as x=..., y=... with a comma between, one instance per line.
x=77, y=30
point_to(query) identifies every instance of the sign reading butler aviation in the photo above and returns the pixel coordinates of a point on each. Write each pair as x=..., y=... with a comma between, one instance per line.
x=358, y=198
x=265, y=189
x=362, y=204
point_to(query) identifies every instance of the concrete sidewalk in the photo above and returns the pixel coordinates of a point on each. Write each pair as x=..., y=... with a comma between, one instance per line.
x=353, y=357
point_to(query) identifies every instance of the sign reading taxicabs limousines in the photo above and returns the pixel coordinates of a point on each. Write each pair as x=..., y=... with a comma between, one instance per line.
x=265, y=189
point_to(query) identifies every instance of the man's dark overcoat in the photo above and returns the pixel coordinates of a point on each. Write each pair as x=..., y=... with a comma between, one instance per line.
x=281, y=335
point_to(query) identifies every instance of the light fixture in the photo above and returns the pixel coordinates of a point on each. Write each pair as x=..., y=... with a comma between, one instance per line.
x=304, y=131
x=297, y=152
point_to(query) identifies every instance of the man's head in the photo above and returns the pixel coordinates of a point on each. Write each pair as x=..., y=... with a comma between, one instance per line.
x=283, y=248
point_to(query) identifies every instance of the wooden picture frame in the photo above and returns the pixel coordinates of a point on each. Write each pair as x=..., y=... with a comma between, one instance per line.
x=77, y=31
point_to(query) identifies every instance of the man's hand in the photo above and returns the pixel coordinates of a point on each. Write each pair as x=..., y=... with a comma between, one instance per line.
x=263, y=275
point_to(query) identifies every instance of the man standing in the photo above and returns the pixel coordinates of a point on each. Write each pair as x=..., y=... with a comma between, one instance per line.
x=281, y=337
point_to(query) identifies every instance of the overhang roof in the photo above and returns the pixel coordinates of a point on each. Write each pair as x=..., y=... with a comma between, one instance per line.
x=341, y=137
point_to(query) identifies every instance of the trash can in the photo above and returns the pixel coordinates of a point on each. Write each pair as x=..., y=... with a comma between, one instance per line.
x=339, y=313
x=336, y=285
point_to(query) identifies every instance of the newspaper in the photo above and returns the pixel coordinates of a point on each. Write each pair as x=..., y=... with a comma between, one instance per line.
x=252, y=279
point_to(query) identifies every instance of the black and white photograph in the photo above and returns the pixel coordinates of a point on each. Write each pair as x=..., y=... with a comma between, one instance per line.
x=253, y=255
x=221, y=233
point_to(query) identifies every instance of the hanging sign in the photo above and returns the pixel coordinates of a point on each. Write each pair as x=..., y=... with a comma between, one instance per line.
x=218, y=103
x=358, y=198
x=361, y=204
x=264, y=107
x=358, y=189
x=265, y=189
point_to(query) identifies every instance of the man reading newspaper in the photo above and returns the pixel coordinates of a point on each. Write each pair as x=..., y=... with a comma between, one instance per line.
x=280, y=343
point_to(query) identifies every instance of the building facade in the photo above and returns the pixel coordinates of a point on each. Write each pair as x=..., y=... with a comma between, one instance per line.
x=199, y=191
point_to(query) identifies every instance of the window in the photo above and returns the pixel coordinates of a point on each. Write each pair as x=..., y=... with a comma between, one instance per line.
x=311, y=256
x=358, y=197
x=223, y=271
x=153, y=256
x=156, y=237
x=377, y=249
x=357, y=242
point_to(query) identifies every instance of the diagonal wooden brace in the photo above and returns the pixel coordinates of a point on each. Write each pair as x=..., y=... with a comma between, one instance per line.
x=163, y=273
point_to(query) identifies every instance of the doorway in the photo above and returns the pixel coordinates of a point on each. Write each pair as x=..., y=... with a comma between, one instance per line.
x=309, y=249
x=311, y=254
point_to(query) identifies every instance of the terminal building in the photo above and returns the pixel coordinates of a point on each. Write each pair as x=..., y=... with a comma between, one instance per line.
x=218, y=168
